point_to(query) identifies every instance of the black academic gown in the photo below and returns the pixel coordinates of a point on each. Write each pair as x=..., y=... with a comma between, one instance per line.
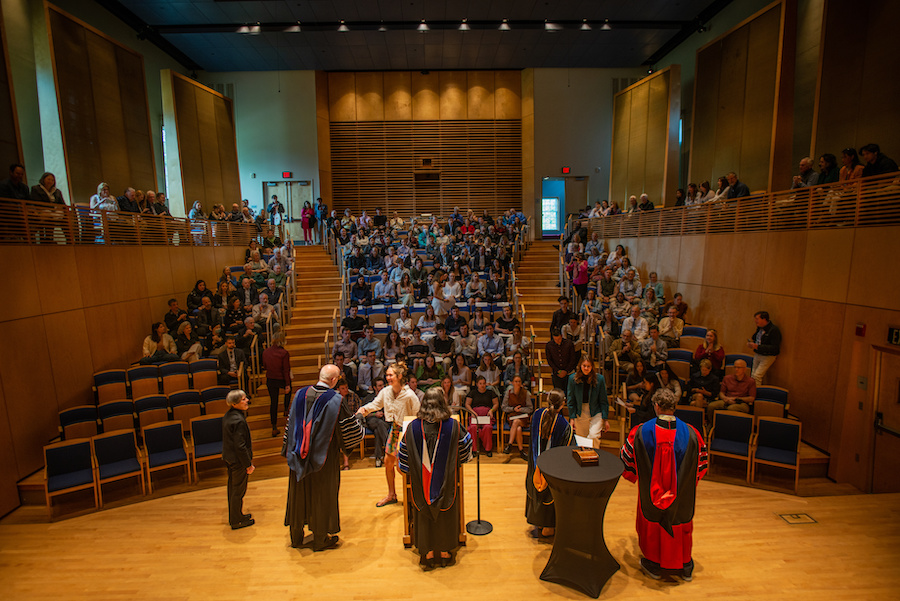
x=539, y=510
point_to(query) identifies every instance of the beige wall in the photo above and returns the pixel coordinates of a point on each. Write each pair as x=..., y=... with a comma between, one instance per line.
x=77, y=310
x=805, y=281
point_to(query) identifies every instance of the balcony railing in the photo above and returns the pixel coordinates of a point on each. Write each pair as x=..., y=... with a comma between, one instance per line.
x=29, y=222
x=868, y=202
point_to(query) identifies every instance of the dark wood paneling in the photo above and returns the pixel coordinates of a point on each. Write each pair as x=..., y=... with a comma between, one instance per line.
x=9, y=471
x=10, y=140
x=70, y=359
x=102, y=95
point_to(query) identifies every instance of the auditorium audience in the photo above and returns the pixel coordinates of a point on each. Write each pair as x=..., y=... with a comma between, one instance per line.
x=876, y=163
x=159, y=347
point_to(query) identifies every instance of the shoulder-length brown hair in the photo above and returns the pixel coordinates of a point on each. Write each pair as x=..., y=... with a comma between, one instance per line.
x=580, y=377
x=434, y=406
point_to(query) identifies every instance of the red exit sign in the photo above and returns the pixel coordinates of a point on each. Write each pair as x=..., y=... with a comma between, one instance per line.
x=566, y=170
x=287, y=174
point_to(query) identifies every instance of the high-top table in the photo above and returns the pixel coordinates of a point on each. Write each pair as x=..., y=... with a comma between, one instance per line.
x=580, y=558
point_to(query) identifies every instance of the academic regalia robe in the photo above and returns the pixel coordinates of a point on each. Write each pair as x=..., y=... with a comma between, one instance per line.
x=431, y=454
x=667, y=458
x=319, y=427
x=539, y=510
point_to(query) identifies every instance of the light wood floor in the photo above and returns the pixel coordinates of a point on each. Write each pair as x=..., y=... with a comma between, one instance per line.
x=180, y=547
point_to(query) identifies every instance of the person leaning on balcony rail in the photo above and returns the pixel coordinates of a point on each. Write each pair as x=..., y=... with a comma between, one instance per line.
x=103, y=200
x=46, y=191
x=14, y=186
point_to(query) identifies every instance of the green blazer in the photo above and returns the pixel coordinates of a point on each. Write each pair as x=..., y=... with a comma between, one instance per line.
x=597, y=397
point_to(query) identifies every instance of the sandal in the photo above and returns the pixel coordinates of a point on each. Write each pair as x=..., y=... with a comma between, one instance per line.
x=386, y=501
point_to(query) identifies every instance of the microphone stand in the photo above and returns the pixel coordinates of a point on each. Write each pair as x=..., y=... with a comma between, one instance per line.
x=478, y=527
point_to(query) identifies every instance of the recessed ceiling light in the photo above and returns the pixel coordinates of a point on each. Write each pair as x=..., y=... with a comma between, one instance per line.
x=343, y=27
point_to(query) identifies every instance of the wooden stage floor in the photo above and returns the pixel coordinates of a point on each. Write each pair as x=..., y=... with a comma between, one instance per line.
x=180, y=547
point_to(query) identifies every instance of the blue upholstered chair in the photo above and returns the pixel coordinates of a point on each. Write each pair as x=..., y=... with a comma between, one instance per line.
x=116, y=415
x=692, y=416
x=680, y=354
x=213, y=399
x=151, y=409
x=117, y=458
x=78, y=422
x=778, y=443
x=110, y=385
x=166, y=448
x=204, y=373
x=185, y=405
x=68, y=467
x=206, y=437
x=730, y=359
x=143, y=380
x=174, y=376
x=731, y=437
x=697, y=331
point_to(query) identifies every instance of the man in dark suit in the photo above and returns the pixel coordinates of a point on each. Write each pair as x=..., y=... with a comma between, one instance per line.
x=230, y=361
x=237, y=452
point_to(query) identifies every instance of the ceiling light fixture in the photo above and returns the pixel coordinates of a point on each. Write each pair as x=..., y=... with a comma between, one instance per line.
x=382, y=27
x=464, y=26
x=343, y=27
x=423, y=27
x=548, y=26
x=504, y=26
x=584, y=25
x=249, y=29
x=605, y=26
x=293, y=28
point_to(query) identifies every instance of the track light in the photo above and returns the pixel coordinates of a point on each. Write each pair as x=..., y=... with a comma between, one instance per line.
x=293, y=28
x=382, y=27
x=605, y=26
x=464, y=26
x=584, y=25
x=504, y=26
x=343, y=27
x=423, y=27
x=548, y=26
x=249, y=29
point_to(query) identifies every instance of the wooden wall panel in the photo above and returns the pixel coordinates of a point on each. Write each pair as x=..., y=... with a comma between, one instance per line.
x=426, y=103
x=370, y=96
x=21, y=270
x=857, y=78
x=189, y=152
x=86, y=63
x=827, y=265
x=741, y=91
x=9, y=472
x=209, y=147
x=508, y=97
x=871, y=248
x=480, y=97
x=780, y=276
x=645, y=139
x=397, y=96
x=63, y=291
x=10, y=137
x=70, y=359
x=342, y=97
x=227, y=143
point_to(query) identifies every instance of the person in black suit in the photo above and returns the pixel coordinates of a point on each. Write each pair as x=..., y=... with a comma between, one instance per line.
x=237, y=451
x=230, y=361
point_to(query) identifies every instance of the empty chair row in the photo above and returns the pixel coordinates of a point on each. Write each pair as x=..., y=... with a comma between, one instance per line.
x=138, y=381
x=83, y=463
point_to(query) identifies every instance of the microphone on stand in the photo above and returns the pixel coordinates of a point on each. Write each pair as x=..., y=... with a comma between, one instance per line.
x=478, y=527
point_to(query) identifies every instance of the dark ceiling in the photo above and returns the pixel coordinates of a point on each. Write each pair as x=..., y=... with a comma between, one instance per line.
x=203, y=34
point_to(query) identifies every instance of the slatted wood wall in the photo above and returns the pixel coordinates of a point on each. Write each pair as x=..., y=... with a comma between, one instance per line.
x=207, y=148
x=743, y=96
x=102, y=94
x=857, y=96
x=375, y=130
x=645, y=139
x=10, y=141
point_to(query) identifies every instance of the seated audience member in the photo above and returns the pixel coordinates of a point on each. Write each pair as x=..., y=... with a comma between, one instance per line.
x=851, y=167
x=428, y=323
x=368, y=343
x=348, y=373
x=630, y=286
x=517, y=367
x=476, y=325
x=562, y=315
x=634, y=382
x=876, y=162
x=393, y=347
x=102, y=200
x=671, y=327
x=174, y=316
x=252, y=247
x=259, y=268
x=406, y=292
x=482, y=401
x=642, y=408
x=703, y=387
x=650, y=306
x=188, y=344
x=516, y=408
x=632, y=205
x=517, y=342
x=385, y=291
x=244, y=337
x=461, y=379
x=404, y=324
x=653, y=349
x=360, y=293
x=574, y=332
x=248, y=295
x=722, y=190
x=466, y=344
x=622, y=271
x=228, y=278
x=208, y=317
x=657, y=287
x=609, y=325
x=614, y=259
x=270, y=240
x=645, y=204
x=417, y=349
x=157, y=203
x=681, y=307
x=475, y=290
x=711, y=350
x=273, y=292
x=491, y=343
x=706, y=192
x=637, y=324
x=355, y=322
x=737, y=392
x=159, y=347
x=230, y=361
x=368, y=371
x=828, y=169
x=454, y=321
x=606, y=285
x=222, y=298
x=347, y=346
x=234, y=316
x=281, y=279
x=626, y=349
x=263, y=313
x=430, y=372
x=736, y=188
x=442, y=347
x=257, y=279
x=356, y=262
x=413, y=383
x=506, y=322
x=807, y=177
x=279, y=258
x=128, y=202
x=14, y=186
x=490, y=371
x=194, y=296
x=668, y=380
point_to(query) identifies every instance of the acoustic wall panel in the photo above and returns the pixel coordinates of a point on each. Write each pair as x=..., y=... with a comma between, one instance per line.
x=645, y=139
x=10, y=140
x=102, y=96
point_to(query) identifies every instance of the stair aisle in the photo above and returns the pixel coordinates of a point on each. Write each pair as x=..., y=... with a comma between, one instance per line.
x=318, y=294
x=536, y=280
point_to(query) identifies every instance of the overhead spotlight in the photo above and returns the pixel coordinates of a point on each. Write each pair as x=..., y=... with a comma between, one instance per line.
x=548, y=26
x=605, y=26
x=584, y=25
x=464, y=26
x=702, y=29
x=423, y=27
x=249, y=29
x=504, y=26
x=293, y=28
x=382, y=27
x=343, y=27
x=650, y=70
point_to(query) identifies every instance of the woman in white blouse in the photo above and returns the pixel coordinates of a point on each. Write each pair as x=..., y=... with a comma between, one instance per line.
x=428, y=323
x=404, y=324
x=452, y=288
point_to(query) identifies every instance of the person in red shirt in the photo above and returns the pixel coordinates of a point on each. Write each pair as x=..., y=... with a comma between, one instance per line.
x=278, y=377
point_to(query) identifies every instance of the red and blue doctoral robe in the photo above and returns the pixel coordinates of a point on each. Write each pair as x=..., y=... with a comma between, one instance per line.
x=667, y=458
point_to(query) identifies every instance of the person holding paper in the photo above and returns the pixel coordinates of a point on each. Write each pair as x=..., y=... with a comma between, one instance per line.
x=398, y=401
x=548, y=429
x=517, y=409
x=431, y=451
x=483, y=402
x=587, y=401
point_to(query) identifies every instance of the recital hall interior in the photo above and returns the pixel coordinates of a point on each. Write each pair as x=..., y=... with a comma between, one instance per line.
x=535, y=116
